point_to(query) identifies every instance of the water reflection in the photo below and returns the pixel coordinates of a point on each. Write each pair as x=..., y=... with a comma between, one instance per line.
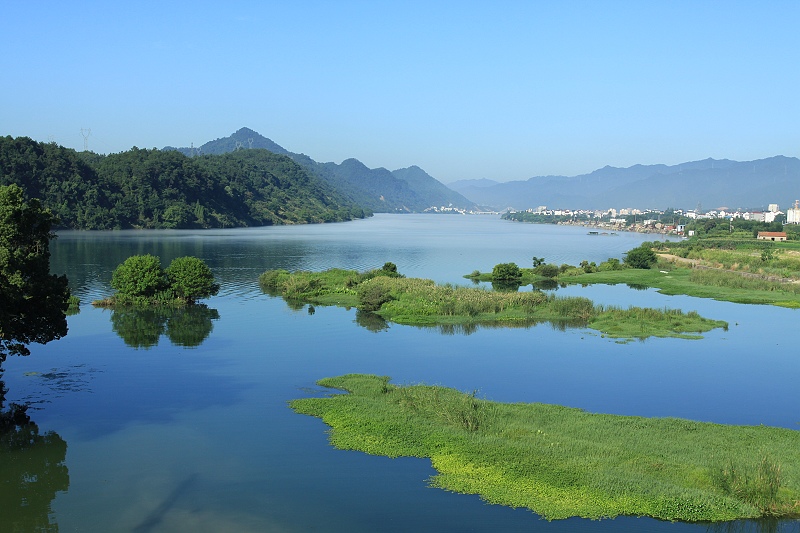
x=32, y=471
x=506, y=286
x=546, y=285
x=371, y=321
x=143, y=327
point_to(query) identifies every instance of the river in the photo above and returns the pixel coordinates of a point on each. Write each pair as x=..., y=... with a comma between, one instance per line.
x=179, y=422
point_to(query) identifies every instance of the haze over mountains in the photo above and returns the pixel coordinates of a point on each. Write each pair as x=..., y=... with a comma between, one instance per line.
x=380, y=190
x=711, y=183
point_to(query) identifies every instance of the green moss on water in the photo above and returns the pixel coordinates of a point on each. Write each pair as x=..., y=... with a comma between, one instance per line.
x=562, y=462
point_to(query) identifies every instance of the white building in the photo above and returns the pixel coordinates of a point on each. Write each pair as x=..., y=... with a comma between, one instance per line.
x=793, y=213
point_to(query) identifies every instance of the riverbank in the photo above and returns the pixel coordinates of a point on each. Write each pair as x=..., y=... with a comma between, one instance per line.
x=562, y=462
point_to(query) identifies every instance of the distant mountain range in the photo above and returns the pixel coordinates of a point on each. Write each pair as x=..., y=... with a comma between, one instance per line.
x=711, y=183
x=380, y=190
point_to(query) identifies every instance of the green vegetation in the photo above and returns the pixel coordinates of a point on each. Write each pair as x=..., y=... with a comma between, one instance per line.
x=33, y=302
x=562, y=462
x=766, y=259
x=718, y=285
x=140, y=280
x=421, y=302
x=641, y=257
x=506, y=272
x=734, y=270
x=166, y=189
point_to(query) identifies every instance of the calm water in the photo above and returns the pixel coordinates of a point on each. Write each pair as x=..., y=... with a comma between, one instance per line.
x=180, y=422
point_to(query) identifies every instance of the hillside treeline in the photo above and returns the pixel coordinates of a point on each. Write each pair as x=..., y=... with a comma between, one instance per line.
x=143, y=188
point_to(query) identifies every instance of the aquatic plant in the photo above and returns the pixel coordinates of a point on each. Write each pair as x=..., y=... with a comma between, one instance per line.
x=562, y=462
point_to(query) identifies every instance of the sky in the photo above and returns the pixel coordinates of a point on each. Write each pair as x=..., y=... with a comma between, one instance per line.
x=502, y=90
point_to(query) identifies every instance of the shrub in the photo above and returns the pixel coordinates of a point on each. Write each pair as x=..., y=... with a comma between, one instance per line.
x=371, y=296
x=506, y=272
x=611, y=264
x=139, y=276
x=191, y=279
x=389, y=268
x=642, y=257
x=546, y=271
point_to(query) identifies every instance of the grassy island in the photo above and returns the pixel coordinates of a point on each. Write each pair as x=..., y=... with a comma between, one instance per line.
x=728, y=269
x=421, y=302
x=562, y=462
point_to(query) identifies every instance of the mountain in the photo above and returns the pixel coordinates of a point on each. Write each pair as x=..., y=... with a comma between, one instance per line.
x=166, y=189
x=432, y=190
x=710, y=182
x=241, y=139
x=378, y=189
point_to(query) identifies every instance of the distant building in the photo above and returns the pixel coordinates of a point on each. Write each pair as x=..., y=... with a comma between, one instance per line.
x=773, y=208
x=771, y=235
x=793, y=214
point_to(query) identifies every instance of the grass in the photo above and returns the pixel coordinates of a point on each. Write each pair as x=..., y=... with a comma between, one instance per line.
x=716, y=284
x=421, y=302
x=562, y=462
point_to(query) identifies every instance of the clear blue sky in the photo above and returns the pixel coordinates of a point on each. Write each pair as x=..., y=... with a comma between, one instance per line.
x=503, y=90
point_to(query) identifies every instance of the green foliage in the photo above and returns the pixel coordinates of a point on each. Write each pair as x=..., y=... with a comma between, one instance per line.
x=372, y=295
x=33, y=302
x=612, y=263
x=140, y=280
x=191, y=279
x=506, y=272
x=139, y=276
x=547, y=270
x=389, y=268
x=166, y=189
x=422, y=302
x=562, y=462
x=642, y=257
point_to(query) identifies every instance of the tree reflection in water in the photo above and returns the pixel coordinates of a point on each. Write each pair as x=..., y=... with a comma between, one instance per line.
x=32, y=471
x=142, y=327
x=371, y=321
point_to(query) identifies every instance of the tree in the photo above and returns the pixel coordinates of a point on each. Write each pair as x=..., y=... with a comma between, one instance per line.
x=506, y=272
x=139, y=276
x=33, y=302
x=641, y=257
x=191, y=279
x=547, y=270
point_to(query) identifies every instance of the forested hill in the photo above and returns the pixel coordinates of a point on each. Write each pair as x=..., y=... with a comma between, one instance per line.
x=166, y=189
x=377, y=189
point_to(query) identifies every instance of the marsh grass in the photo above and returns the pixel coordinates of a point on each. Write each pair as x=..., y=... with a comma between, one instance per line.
x=562, y=462
x=759, y=486
x=733, y=280
x=715, y=284
x=421, y=302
